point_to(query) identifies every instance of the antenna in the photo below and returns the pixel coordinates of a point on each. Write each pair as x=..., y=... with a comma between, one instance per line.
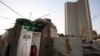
x=30, y=15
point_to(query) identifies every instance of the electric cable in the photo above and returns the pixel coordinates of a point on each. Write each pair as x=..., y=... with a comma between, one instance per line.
x=7, y=18
x=12, y=9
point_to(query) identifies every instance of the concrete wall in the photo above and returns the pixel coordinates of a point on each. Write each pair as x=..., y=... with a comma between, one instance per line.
x=77, y=19
x=53, y=31
x=13, y=38
x=48, y=32
x=36, y=40
x=1, y=43
x=61, y=46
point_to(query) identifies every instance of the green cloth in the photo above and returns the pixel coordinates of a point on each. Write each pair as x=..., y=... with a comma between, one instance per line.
x=35, y=26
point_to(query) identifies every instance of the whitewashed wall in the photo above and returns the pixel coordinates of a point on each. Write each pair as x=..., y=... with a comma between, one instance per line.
x=24, y=43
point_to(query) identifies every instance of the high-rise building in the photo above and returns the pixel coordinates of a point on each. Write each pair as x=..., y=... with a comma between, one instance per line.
x=77, y=19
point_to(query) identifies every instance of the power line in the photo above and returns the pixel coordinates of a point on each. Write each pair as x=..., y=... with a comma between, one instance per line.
x=6, y=18
x=11, y=9
x=44, y=15
x=96, y=16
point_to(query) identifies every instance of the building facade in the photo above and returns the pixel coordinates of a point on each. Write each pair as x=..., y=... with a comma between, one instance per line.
x=77, y=19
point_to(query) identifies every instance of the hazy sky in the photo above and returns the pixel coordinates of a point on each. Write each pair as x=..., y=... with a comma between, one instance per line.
x=40, y=8
x=95, y=14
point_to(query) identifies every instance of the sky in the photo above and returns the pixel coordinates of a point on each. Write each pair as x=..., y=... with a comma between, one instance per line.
x=95, y=14
x=39, y=8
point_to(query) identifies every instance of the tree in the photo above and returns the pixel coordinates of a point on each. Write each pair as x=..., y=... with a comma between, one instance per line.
x=94, y=32
x=61, y=35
